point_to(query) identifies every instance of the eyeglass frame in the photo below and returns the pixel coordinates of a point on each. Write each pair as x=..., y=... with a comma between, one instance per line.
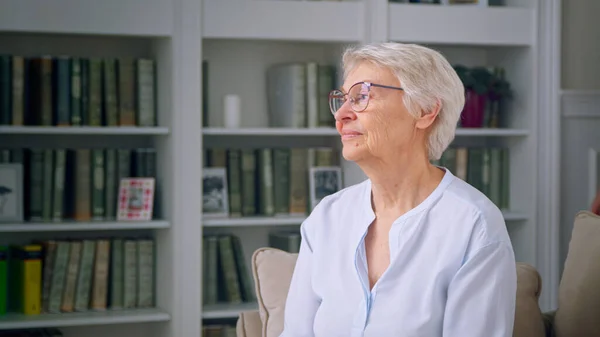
x=339, y=92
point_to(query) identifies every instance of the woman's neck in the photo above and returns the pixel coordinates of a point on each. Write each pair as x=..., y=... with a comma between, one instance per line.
x=399, y=184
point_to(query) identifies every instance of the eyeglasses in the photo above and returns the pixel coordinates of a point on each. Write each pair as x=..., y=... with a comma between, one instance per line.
x=358, y=94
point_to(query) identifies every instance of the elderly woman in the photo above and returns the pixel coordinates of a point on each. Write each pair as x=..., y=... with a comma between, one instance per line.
x=413, y=251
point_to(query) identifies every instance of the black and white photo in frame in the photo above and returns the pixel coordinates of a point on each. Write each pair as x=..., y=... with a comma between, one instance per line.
x=324, y=181
x=215, y=198
x=11, y=193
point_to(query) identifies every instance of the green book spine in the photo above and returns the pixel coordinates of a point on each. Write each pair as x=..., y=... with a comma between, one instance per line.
x=76, y=110
x=36, y=184
x=85, y=92
x=59, y=276
x=5, y=90
x=84, y=278
x=98, y=184
x=47, y=185
x=248, y=182
x=234, y=181
x=46, y=114
x=281, y=180
x=111, y=107
x=265, y=169
x=211, y=270
x=130, y=274
x=116, y=274
x=95, y=93
x=145, y=260
x=3, y=279
x=62, y=91
x=58, y=199
x=111, y=185
x=18, y=90
x=126, y=75
x=244, y=276
x=229, y=270
x=146, y=93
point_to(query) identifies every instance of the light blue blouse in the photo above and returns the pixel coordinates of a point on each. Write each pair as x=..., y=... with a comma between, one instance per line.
x=452, y=269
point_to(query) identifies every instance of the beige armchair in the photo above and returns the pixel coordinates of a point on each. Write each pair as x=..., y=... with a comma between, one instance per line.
x=579, y=292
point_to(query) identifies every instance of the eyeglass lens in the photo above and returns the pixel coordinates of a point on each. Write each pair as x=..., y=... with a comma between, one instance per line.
x=358, y=96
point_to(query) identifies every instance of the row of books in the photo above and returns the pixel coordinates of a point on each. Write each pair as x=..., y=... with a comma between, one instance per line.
x=269, y=181
x=63, y=276
x=485, y=168
x=227, y=278
x=76, y=184
x=48, y=332
x=68, y=90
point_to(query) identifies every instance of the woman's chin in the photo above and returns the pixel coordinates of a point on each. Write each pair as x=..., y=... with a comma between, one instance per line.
x=352, y=153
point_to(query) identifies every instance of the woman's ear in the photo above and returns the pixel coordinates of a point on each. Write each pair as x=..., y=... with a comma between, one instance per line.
x=428, y=117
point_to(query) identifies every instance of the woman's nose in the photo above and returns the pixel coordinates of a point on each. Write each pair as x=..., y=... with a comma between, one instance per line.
x=345, y=112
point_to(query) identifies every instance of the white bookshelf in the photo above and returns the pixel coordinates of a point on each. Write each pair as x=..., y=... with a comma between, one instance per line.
x=166, y=31
x=325, y=131
x=84, y=131
x=72, y=226
x=240, y=48
x=110, y=317
x=227, y=311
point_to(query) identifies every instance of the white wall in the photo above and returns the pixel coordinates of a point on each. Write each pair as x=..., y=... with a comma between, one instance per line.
x=580, y=120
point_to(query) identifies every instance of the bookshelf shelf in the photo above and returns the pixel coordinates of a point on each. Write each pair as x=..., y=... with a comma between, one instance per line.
x=514, y=216
x=270, y=132
x=15, y=321
x=289, y=20
x=491, y=132
x=297, y=220
x=307, y=132
x=81, y=226
x=83, y=130
x=226, y=310
x=491, y=26
x=153, y=18
x=254, y=221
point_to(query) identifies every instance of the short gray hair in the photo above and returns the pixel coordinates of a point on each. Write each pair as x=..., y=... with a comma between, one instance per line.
x=427, y=78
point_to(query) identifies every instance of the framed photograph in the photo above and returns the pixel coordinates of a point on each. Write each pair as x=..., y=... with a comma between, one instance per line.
x=324, y=181
x=215, y=199
x=11, y=193
x=136, y=199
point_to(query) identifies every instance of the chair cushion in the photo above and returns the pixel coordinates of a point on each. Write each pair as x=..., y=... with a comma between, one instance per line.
x=249, y=324
x=272, y=270
x=578, y=294
x=529, y=320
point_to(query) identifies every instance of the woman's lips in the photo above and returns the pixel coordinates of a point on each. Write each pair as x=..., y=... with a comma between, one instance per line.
x=350, y=134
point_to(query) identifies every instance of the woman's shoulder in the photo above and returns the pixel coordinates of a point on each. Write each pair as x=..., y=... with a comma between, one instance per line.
x=486, y=216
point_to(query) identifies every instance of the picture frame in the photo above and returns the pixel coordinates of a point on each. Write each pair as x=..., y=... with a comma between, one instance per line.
x=215, y=192
x=11, y=193
x=136, y=199
x=323, y=181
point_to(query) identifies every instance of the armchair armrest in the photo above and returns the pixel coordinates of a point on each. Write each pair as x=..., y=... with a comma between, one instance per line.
x=249, y=324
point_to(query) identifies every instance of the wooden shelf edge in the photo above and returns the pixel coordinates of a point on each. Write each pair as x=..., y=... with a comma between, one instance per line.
x=19, y=321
